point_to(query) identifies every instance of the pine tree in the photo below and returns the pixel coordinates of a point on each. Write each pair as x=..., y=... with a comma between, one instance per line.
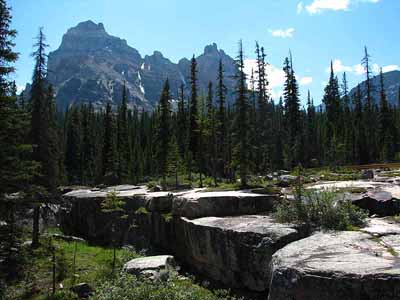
x=17, y=168
x=164, y=131
x=43, y=132
x=292, y=114
x=73, y=159
x=110, y=155
x=368, y=110
x=221, y=127
x=193, y=117
x=124, y=141
x=385, y=124
x=241, y=126
x=262, y=127
x=88, y=149
x=182, y=122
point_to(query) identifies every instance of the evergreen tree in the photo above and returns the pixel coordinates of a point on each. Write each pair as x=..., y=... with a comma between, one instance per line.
x=385, y=125
x=193, y=117
x=292, y=114
x=221, y=126
x=110, y=155
x=88, y=149
x=43, y=132
x=164, y=131
x=262, y=127
x=17, y=168
x=241, y=125
x=73, y=162
x=124, y=141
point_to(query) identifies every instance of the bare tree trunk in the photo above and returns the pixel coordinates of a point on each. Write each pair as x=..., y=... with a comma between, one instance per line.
x=35, y=227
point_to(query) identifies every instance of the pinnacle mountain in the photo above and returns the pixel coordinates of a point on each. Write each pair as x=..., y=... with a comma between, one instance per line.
x=91, y=66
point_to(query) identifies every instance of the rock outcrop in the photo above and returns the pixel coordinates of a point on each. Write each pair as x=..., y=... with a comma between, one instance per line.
x=344, y=265
x=235, y=250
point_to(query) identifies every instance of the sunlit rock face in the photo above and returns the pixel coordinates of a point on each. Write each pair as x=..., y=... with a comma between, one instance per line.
x=91, y=66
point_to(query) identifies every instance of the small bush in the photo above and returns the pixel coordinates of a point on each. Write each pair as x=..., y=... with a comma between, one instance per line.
x=128, y=287
x=321, y=209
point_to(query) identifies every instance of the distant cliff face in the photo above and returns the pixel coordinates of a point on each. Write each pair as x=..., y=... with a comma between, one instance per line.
x=391, y=83
x=91, y=66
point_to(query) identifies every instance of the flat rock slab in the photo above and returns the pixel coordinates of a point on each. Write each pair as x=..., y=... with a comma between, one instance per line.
x=330, y=266
x=141, y=266
x=224, y=203
x=235, y=250
x=382, y=227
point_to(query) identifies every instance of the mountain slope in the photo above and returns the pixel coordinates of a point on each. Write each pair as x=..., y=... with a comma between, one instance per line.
x=92, y=66
x=391, y=82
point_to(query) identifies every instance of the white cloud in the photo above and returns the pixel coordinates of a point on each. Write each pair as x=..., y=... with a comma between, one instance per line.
x=338, y=67
x=318, y=6
x=283, y=33
x=275, y=76
x=358, y=69
x=306, y=80
x=390, y=68
x=300, y=7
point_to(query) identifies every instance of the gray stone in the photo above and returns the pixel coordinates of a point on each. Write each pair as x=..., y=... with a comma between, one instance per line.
x=330, y=266
x=379, y=202
x=235, y=250
x=152, y=266
x=224, y=203
x=367, y=174
x=83, y=290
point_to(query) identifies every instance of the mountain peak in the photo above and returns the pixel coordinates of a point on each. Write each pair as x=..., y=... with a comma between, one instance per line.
x=88, y=27
x=211, y=49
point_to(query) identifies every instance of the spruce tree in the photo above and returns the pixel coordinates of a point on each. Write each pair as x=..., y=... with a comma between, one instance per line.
x=193, y=137
x=241, y=123
x=73, y=159
x=90, y=167
x=164, y=131
x=17, y=168
x=385, y=124
x=110, y=155
x=124, y=140
x=43, y=132
x=292, y=114
x=221, y=126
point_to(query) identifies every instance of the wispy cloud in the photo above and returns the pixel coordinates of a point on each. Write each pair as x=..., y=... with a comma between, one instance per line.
x=300, y=7
x=306, y=80
x=358, y=69
x=318, y=6
x=339, y=67
x=282, y=33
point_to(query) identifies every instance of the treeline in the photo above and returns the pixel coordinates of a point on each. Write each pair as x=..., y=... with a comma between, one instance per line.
x=205, y=135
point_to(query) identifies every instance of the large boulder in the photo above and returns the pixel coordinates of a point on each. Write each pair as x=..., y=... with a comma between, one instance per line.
x=221, y=203
x=234, y=250
x=379, y=202
x=344, y=265
x=152, y=266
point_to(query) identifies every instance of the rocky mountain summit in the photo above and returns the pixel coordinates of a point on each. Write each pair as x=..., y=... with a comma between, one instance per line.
x=92, y=66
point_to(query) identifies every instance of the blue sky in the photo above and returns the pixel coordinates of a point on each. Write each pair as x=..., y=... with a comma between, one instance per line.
x=316, y=31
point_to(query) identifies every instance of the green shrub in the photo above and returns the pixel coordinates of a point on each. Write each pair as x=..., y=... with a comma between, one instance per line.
x=128, y=287
x=320, y=209
x=142, y=211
